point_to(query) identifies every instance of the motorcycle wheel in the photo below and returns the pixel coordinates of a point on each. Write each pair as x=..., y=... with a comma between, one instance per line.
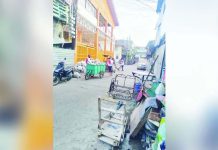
x=69, y=76
x=87, y=76
x=56, y=80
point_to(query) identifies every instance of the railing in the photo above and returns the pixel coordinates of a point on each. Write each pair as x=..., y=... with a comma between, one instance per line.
x=84, y=50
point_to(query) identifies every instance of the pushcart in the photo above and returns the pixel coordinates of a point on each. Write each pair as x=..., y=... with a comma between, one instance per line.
x=95, y=70
x=122, y=87
x=112, y=121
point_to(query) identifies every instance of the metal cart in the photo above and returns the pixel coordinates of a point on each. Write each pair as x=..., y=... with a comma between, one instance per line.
x=122, y=87
x=94, y=70
x=112, y=121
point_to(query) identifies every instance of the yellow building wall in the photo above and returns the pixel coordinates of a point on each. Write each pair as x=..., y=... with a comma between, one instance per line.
x=83, y=50
x=103, y=8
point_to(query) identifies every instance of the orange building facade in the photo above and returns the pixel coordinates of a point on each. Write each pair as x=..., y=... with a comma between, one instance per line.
x=95, y=23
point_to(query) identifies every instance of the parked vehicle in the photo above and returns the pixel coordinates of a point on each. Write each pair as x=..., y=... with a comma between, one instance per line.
x=62, y=74
x=141, y=66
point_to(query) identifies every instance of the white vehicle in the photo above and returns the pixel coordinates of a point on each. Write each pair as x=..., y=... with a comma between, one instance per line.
x=141, y=66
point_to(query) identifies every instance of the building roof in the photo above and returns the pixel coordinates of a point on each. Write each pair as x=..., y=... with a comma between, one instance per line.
x=113, y=13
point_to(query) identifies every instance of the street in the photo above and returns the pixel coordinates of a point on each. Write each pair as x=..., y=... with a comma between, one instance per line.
x=76, y=112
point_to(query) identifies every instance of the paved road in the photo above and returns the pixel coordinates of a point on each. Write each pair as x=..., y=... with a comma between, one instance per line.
x=76, y=112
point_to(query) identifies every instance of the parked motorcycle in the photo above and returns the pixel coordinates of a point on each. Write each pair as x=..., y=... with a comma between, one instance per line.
x=62, y=74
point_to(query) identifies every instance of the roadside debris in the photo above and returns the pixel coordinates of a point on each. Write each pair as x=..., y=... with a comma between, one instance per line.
x=80, y=67
x=112, y=121
x=122, y=87
x=77, y=75
x=144, y=115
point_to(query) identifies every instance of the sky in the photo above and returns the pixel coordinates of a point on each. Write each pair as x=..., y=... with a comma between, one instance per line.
x=137, y=20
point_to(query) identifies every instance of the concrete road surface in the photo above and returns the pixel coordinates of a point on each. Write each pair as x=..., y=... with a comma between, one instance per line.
x=76, y=113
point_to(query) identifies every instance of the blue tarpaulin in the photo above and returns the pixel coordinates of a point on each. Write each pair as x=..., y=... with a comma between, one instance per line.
x=160, y=3
x=162, y=40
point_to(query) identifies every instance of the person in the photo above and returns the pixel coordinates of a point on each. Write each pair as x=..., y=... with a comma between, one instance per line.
x=109, y=64
x=88, y=59
x=63, y=63
x=122, y=63
x=112, y=61
x=112, y=64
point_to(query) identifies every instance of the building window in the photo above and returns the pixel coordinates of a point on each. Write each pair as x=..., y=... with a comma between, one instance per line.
x=82, y=3
x=86, y=31
x=88, y=38
x=108, y=44
x=90, y=8
x=102, y=23
x=113, y=45
x=109, y=29
x=101, y=43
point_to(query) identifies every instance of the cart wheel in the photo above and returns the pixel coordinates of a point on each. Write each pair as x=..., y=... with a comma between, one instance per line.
x=100, y=74
x=87, y=76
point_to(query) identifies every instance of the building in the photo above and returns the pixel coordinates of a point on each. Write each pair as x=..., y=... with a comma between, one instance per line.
x=157, y=47
x=160, y=42
x=118, y=53
x=140, y=51
x=82, y=28
x=96, y=20
x=64, y=31
x=125, y=45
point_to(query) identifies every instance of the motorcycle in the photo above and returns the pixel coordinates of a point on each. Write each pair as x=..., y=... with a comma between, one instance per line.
x=62, y=74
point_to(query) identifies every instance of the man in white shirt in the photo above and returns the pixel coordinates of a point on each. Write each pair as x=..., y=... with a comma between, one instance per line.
x=122, y=63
